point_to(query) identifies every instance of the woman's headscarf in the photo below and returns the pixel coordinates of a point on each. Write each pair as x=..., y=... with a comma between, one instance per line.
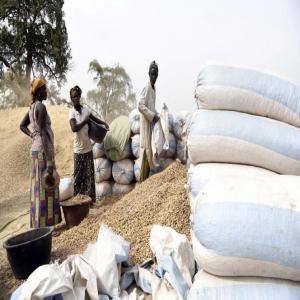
x=36, y=84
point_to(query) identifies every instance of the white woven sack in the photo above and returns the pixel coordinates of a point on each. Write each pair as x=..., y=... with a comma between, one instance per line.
x=233, y=137
x=171, y=151
x=210, y=287
x=122, y=171
x=127, y=153
x=98, y=150
x=200, y=175
x=102, y=169
x=165, y=162
x=134, y=121
x=250, y=91
x=135, y=145
x=103, y=189
x=181, y=151
x=179, y=121
x=247, y=226
x=118, y=189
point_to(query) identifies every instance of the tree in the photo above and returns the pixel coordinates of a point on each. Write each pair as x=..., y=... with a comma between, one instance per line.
x=113, y=96
x=33, y=41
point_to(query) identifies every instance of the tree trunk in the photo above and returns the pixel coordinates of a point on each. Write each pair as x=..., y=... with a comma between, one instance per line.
x=28, y=66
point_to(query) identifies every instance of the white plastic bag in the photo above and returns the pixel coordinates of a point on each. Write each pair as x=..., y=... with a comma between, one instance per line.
x=105, y=256
x=174, y=254
x=73, y=279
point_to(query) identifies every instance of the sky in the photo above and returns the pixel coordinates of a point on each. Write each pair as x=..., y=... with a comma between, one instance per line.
x=181, y=36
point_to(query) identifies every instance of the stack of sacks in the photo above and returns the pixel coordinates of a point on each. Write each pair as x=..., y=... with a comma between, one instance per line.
x=245, y=216
x=246, y=134
x=109, y=175
x=166, y=156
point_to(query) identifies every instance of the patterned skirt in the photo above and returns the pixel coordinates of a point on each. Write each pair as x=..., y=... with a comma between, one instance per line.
x=44, y=205
x=84, y=175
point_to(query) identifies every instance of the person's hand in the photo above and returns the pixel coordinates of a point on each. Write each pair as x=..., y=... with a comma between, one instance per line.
x=156, y=118
x=50, y=170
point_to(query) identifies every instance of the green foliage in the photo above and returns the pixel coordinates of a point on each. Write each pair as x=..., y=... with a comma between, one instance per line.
x=33, y=41
x=113, y=96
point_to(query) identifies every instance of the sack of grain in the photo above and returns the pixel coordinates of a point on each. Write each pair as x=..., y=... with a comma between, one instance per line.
x=127, y=153
x=103, y=189
x=165, y=162
x=137, y=169
x=249, y=91
x=135, y=145
x=171, y=151
x=232, y=137
x=122, y=171
x=98, y=150
x=181, y=151
x=247, y=226
x=171, y=122
x=118, y=188
x=179, y=120
x=102, y=169
x=201, y=174
x=134, y=121
x=66, y=188
x=209, y=287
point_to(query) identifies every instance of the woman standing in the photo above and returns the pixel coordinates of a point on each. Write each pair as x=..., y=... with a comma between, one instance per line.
x=44, y=204
x=84, y=173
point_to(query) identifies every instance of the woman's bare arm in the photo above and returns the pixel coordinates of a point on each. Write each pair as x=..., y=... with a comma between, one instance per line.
x=24, y=125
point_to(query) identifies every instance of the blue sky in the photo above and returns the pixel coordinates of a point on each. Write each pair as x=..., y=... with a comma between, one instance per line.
x=181, y=36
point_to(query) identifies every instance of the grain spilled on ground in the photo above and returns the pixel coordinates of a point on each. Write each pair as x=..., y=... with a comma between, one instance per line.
x=161, y=199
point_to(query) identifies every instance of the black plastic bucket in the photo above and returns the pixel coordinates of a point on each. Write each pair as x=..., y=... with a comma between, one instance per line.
x=97, y=132
x=29, y=250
